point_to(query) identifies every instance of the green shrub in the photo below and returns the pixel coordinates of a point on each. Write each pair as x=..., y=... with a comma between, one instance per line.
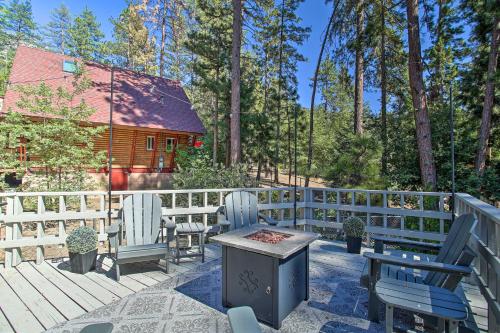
x=354, y=227
x=82, y=240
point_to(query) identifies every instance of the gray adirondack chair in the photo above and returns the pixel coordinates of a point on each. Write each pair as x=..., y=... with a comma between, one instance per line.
x=446, y=271
x=141, y=224
x=240, y=210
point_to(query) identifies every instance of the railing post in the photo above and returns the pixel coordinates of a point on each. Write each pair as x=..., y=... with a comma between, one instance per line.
x=205, y=204
x=173, y=206
x=384, y=204
x=368, y=217
x=190, y=204
x=62, y=209
x=40, y=230
x=402, y=205
x=338, y=199
x=10, y=253
x=308, y=212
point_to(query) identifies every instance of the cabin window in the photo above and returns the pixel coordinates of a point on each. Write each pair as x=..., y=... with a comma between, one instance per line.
x=150, y=143
x=69, y=66
x=169, y=144
x=12, y=141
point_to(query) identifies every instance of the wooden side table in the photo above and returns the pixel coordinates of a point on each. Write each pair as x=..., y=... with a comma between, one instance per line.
x=423, y=299
x=190, y=229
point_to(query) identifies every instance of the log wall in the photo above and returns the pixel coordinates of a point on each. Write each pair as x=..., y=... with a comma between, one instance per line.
x=130, y=151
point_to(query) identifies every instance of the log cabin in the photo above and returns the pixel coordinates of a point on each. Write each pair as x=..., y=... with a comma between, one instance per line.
x=152, y=116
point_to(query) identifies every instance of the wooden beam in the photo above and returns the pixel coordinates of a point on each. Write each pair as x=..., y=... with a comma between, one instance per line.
x=132, y=153
x=155, y=148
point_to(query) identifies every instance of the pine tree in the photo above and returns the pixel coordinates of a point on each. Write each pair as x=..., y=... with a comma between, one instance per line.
x=235, y=82
x=169, y=21
x=313, y=95
x=86, y=37
x=58, y=144
x=419, y=98
x=57, y=31
x=132, y=47
x=16, y=26
x=387, y=67
x=210, y=42
x=18, y=23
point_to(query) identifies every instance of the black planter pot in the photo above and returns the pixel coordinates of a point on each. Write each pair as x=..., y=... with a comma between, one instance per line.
x=354, y=244
x=82, y=263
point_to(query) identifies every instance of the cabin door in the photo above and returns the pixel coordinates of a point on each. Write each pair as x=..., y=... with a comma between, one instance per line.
x=119, y=180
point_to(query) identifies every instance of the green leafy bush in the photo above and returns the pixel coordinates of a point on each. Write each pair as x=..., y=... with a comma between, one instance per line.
x=196, y=170
x=354, y=227
x=82, y=240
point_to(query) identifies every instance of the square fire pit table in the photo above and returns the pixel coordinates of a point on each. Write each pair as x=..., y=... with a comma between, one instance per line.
x=266, y=268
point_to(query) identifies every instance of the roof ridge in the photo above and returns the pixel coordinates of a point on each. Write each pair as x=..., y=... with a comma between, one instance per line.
x=107, y=66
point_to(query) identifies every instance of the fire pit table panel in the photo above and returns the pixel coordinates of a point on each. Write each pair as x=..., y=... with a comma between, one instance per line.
x=270, y=278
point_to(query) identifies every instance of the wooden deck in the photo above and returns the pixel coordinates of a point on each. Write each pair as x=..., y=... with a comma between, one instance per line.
x=36, y=297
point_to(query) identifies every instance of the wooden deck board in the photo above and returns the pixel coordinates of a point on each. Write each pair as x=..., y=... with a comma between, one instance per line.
x=125, y=280
x=16, y=312
x=56, y=297
x=4, y=324
x=45, y=312
x=102, y=294
x=84, y=299
x=128, y=271
x=88, y=292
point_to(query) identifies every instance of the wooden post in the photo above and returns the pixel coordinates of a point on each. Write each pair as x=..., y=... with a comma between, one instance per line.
x=40, y=230
x=308, y=212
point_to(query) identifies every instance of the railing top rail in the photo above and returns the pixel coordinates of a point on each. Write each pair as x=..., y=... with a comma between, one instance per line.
x=256, y=189
x=347, y=190
x=485, y=208
x=74, y=193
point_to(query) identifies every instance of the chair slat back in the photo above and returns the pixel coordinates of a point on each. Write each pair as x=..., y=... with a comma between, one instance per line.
x=141, y=218
x=453, y=246
x=241, y=209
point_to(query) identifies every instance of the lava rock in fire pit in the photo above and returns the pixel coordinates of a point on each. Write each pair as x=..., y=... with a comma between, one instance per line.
x=268, y=236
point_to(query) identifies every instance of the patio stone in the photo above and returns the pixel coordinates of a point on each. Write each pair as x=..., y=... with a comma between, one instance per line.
x=192, y=301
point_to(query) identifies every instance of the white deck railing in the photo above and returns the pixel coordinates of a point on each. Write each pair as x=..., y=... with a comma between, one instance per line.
x=486, y=244
x=26, y=218
x=385, y=212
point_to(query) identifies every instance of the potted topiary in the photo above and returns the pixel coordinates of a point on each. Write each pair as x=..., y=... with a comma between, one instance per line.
x=354, y=229
x=82, y=248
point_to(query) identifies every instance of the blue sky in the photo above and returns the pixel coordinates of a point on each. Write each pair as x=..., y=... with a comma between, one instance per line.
x=314, y=14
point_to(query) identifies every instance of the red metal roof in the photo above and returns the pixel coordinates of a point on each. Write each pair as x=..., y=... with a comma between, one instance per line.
x=140, y=100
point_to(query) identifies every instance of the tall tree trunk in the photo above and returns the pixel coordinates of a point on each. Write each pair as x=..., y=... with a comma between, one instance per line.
x=235, y=83
x=419, y=100
x=489, y=99
x=280, y=83
x=227, y=118
x=259, y=167
x=163, y=37
x=216, y=122
x=313, y=96
x=359, y=69
x=289, y=145
x=383, y=88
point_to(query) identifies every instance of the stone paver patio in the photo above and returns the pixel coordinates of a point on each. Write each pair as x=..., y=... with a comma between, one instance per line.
x=191, y=301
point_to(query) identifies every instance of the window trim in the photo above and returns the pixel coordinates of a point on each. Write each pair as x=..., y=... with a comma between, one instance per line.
x=172, y=144
x=148, y=148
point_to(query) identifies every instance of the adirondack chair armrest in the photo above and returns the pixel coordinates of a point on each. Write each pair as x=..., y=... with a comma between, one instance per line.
x=113, y=232
x=380, y=241
x=269, y=220
x=419, y=264
x=113, y=229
